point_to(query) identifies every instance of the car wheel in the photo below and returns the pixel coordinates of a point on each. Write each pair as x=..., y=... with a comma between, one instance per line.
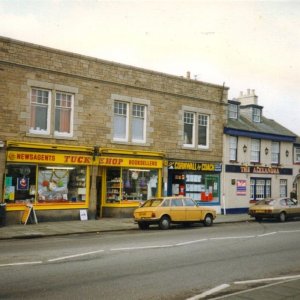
x=164, y=223
x=143, y=225
x=208, y=220
x=258, y=219
x=282, y=217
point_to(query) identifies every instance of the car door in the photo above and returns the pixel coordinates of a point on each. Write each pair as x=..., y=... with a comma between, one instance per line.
x=293, y=209
x=192, y=211
x=177, y=210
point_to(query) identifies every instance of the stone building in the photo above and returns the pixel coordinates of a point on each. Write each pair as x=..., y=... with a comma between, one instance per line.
x=80, y=133
x=258, y=156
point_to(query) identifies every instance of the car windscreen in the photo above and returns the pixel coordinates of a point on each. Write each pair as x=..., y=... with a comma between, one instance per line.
x=152, y=203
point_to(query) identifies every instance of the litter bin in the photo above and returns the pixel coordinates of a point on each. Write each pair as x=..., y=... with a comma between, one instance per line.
x=2, y=214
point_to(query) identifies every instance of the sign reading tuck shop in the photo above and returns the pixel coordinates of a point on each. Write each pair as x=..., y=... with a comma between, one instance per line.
x=194, y=166
x=130, y=162
x=53, y=158
x=258, y=170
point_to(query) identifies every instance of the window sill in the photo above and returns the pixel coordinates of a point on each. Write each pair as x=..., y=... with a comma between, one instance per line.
x=50, y=136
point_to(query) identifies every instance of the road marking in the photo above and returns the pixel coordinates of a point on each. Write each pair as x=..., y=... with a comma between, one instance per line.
x=289, y=231
x=266, y=234
x=75, y=255
x=22, y=263
x=140, y=248
x=253, y=289
x=233, y=237
x=210, y=292
x=267, y=279
x=191, y=242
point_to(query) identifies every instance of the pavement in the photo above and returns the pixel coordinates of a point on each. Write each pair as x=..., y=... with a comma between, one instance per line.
x=45, y=229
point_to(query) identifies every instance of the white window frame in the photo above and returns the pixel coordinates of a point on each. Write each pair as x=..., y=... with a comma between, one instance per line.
x=232, y=111
x=196, y=120
x=256, y=114
x=200, y=118
x=129, y=103
x=143, y=114
x=38, y=131
x=297, y=154
x=255, y=151
x=233, y=145
x=65, y=134
x=187, y=116
x=283, y=187
x=275, y=153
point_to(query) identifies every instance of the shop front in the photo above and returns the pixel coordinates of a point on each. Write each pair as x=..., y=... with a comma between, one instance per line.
x=50, y=177
x=197, y=180
x=128, y=179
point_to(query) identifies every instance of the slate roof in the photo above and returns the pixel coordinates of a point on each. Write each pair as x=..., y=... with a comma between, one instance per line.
x=266, y=127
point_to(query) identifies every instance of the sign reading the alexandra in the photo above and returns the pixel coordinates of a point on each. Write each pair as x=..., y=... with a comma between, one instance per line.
x=129, y=162
x=37, y=157
x=258, y=170
x=194, y=166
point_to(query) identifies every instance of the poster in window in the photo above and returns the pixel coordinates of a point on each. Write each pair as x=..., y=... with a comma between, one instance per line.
x=22, y=184
x=241, y=187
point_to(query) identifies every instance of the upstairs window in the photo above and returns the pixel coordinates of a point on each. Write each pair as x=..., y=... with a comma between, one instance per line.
x=255, y=151
x=129, y=113
x=297, y=155
x=196, y=130
x=275, y=153
x=256, y=115
x=233, y=148
x=233, y=111
x=40, y=104
x=63, y=114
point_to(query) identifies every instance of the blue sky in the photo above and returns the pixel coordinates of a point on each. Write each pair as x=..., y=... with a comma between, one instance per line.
x=246, y=44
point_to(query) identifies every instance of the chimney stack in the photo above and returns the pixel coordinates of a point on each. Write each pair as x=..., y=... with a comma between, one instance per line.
x=248, y=98
x=188, y=75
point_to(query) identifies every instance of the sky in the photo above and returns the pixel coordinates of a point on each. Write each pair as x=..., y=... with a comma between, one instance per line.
x=244, y=44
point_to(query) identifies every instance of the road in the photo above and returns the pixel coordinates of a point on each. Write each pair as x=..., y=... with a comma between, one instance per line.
x=174, y=264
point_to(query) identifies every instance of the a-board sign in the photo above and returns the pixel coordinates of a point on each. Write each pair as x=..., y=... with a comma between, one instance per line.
x=29, y=212
x=83, y=215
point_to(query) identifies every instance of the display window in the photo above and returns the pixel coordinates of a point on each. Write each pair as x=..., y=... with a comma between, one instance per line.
x=50, y=184
x=129, y=185
x=200, y=186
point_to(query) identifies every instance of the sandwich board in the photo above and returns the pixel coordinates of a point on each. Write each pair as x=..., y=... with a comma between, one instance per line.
x=29, y=212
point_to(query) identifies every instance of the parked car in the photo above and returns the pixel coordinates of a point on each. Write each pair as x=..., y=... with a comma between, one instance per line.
x=281, y=209
x=166, y=210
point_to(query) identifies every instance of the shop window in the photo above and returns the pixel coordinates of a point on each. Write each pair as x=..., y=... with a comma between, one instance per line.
x=195, y=132
x=130, y=185
x=200, y=187
x=126, y=113
x=41, y=107
x=45, y=184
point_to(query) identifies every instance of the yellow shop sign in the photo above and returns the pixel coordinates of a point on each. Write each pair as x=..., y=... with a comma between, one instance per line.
x=53, y=158
x=130, y=162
